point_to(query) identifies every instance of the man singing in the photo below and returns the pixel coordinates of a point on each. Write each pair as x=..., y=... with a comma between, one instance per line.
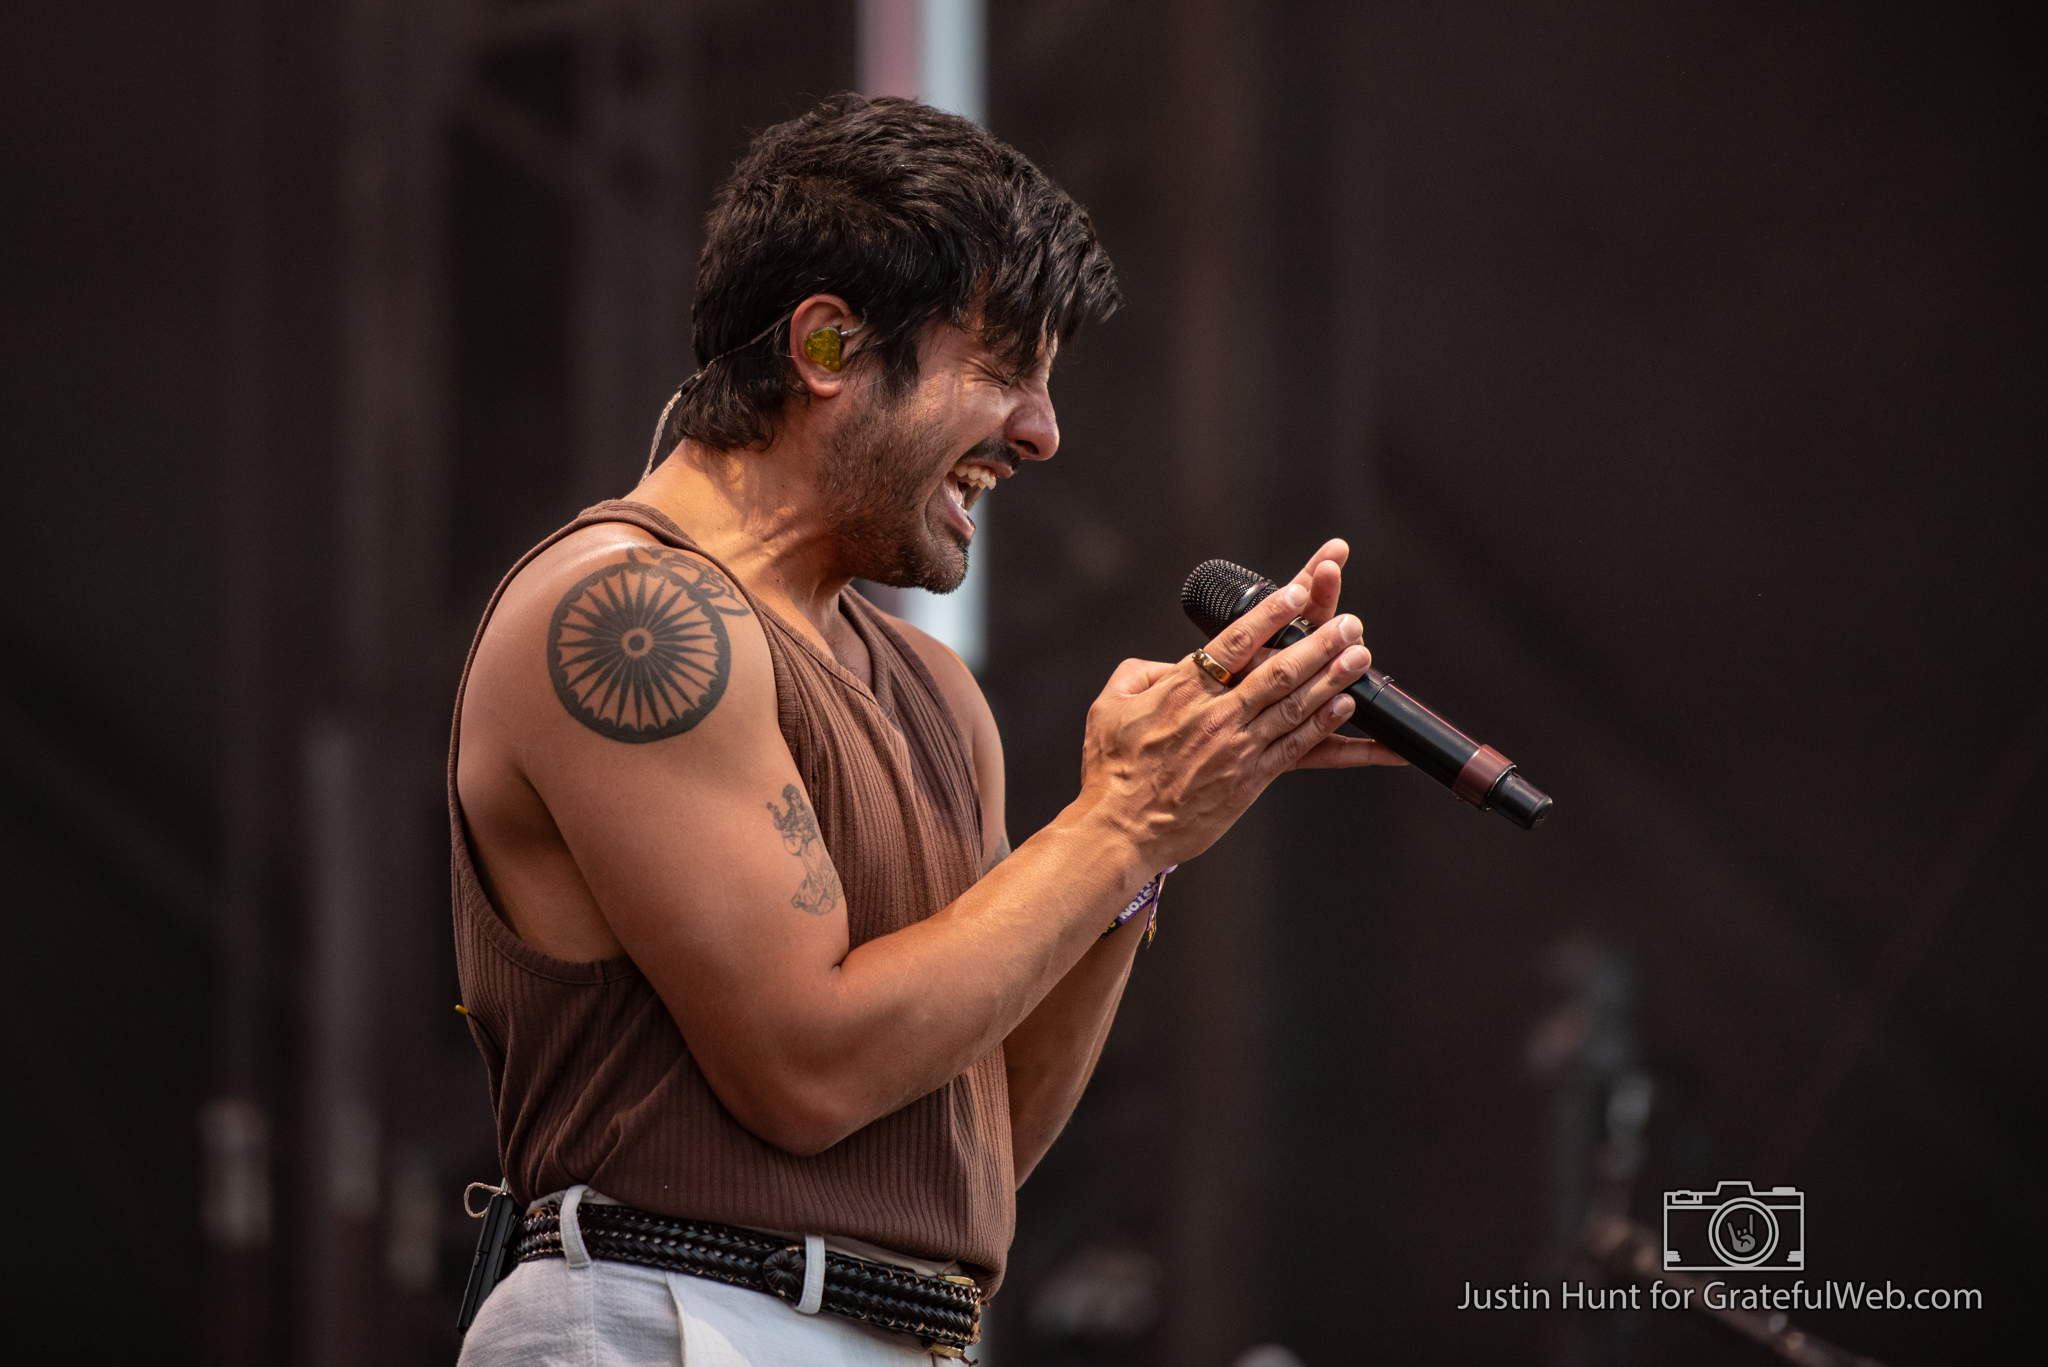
x=775, y=1020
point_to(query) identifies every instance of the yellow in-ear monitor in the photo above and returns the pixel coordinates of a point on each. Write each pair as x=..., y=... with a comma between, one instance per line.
x=827, y=346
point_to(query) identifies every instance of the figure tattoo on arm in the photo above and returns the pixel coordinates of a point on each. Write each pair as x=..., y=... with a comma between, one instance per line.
x=820, y=891
x=638, y=650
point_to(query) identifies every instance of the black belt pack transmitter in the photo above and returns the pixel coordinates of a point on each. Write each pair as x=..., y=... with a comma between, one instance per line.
x=487, y=1268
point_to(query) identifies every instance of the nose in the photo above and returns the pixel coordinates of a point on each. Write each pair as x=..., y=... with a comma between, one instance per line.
x=1033, y=430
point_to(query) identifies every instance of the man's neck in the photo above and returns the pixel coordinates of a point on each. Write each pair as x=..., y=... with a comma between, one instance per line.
x=759, y=512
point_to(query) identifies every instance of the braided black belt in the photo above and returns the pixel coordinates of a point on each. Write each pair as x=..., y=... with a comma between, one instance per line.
x=943, y=1312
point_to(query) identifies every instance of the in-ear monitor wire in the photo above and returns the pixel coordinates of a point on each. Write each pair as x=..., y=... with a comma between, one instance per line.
x=825, y=347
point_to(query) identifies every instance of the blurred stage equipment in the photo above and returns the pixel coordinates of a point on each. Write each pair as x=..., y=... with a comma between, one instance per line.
x=1217, y=593
x=1103, y=1292
x=1585, y=1050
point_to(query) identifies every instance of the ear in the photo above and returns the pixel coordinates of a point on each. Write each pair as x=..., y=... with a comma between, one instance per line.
x=813, y=355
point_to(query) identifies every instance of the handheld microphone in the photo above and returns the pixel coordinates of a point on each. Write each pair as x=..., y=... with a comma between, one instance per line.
x=1218, y=593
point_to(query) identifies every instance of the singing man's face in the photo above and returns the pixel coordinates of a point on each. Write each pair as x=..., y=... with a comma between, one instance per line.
x=901, y=476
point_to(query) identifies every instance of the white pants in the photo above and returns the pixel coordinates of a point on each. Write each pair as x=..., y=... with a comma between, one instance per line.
x=578, y=1311
x=548, y=1314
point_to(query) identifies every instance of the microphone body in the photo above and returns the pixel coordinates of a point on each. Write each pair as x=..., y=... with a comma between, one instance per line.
x=1218, y=593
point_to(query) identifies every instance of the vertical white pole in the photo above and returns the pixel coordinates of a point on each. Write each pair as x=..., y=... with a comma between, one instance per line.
x=952, y=62
x=935, y=50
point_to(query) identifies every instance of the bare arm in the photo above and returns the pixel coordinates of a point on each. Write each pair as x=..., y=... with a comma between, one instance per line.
x=680, y=806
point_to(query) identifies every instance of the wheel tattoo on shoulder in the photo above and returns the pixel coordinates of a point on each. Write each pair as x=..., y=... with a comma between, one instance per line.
x=638, y=650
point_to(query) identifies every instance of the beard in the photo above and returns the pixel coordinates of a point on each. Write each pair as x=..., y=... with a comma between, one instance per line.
x=878, y=482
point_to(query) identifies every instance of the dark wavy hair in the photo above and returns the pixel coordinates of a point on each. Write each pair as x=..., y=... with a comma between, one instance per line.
x=908, y=213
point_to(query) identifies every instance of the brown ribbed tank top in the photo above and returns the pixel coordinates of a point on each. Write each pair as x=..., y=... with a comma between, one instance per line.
x=590, y=1078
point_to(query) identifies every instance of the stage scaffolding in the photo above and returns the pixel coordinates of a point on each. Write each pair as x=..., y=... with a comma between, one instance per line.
x=379, y=1086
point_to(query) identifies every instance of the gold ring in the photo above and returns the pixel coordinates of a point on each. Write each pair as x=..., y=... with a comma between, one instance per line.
x=1211, y=668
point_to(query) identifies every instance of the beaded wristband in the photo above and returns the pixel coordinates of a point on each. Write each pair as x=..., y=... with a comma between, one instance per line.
x=1148, y=896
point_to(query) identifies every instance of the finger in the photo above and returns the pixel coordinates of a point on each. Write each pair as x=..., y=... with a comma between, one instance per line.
x=1336, y=551
x=1342, y=671
x=1323, y=577
x=1296, y=666
x=1347, y=752
x=1237, y=643
x=1323, y=593
x=1290, y=749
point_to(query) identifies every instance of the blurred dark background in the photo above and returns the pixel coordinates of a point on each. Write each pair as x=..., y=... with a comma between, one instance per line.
x=1676, y=373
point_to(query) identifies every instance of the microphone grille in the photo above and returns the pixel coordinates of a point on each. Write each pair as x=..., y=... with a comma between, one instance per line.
x=1218, y=592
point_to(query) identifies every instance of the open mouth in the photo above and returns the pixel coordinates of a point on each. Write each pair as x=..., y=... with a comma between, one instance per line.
x=965, y=484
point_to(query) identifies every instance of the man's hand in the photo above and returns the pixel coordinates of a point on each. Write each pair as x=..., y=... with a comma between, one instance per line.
x=1174, y=757
x=1323, y=577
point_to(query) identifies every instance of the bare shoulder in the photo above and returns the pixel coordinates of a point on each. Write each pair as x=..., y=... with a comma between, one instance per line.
x=639, y=639
x=636, y=640
x=617, y=679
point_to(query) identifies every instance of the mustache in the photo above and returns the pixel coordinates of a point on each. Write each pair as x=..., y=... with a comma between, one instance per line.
x=995, y=448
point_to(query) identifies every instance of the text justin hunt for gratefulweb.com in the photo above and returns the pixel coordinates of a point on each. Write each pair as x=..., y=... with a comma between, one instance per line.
x=1722, y=1296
